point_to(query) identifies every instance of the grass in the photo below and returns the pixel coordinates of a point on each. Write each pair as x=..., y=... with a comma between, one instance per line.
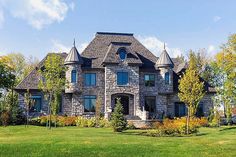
x=19, y=141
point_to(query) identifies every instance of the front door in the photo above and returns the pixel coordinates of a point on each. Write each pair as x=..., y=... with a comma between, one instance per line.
x=125, y=103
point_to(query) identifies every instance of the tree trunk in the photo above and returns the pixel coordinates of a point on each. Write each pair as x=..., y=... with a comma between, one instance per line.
x=187, y=129
x=50, y=117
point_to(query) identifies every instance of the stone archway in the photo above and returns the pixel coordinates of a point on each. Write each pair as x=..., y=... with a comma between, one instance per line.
x=127, y=101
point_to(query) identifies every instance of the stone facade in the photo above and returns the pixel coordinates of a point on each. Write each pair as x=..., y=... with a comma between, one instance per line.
x=105, y=56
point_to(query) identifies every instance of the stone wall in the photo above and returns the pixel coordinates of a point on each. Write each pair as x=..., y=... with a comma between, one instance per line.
x=111, y=86
x=163, y=87
x=206, y=100
x=73, y=87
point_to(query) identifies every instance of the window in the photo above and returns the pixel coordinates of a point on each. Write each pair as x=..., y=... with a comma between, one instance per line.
x=167, y=78
x=122, y=54
x=150, y=104
x=36, y=104
x=90, y=79
x=73, y=76
x=200, y=111
x=180, y=109
x=89, y=103
x=149, y=80
x=122, y=78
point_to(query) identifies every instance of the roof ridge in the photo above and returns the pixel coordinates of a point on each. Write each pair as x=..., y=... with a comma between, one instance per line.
x=114, y=33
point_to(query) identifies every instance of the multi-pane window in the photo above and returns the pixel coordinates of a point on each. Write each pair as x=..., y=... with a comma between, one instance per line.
x=149, y=80
x=150, y=104
x=167, y=78
x=200, y=110
x=73, y=76
x=122, y=78
x=36, y=103
x=89, y=103
x=90, y=79
x=180, y=109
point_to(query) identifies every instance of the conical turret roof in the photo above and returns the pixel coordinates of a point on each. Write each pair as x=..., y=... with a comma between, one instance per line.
x=73, y=57
x=164, y=60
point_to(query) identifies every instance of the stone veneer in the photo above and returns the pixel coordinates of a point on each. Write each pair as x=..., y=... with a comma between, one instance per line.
x=112, y=88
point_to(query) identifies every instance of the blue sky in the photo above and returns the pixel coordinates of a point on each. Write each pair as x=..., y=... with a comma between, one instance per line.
x=36, y=27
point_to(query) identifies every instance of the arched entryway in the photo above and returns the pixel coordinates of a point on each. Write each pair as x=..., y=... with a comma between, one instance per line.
x=127, y=101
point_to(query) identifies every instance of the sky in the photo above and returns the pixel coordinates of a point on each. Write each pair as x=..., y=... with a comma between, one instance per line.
x=36, y=27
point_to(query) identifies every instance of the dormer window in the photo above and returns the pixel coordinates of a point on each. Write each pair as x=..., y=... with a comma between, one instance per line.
x=73, y=76
x=122, y=54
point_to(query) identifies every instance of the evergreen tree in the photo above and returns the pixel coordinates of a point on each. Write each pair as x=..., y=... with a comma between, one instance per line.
x=118, y=120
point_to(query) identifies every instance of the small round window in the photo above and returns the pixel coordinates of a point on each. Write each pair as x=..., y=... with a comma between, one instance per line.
x=122, y=54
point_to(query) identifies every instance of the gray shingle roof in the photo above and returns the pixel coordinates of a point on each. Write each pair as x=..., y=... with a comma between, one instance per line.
x=73, y=57
x=98, y=49
x=165, y=60
x=112, y=55
x=31, y=81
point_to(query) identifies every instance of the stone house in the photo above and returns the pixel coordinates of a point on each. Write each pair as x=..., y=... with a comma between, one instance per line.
x=117, y=65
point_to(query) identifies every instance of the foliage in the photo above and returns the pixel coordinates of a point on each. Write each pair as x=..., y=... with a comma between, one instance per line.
x=98, y=113
x=5, y=118
x=118, y=121
x=191, y=88
x=223, y=76
x=20, y=65
x=52, y=82
x=55, y=120
x=176, y=127
x=91, y=122
x=7, y=77
x=131, y=126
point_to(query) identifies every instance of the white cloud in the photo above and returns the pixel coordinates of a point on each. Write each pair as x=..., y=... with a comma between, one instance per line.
x=211, y=50
x=57, y=46
x=38, y=13
x=156, y=46
x=216, y=18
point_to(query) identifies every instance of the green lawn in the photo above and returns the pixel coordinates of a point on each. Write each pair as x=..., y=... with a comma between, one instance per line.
x=19, y=141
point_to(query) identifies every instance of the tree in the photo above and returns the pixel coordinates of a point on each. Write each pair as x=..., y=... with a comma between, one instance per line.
x=28, y=104
x=7, y=77
x=118, y=120
x=191, y=89
x=223, y=76
x=98, y=110
x=52, y=82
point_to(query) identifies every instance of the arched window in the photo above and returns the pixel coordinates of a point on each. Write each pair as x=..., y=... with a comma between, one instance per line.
x=73, y=76
x=167, y=78
x=122, y=54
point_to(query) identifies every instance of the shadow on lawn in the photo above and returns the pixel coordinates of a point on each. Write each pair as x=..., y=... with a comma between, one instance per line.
x=229, y=128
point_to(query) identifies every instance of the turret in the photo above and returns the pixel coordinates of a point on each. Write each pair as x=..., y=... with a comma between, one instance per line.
x=165, y=65
x=73, y=72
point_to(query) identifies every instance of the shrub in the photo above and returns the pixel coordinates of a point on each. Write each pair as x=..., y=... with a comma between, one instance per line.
x=81, y=122
x=131, y=126
x=5, y=118
x=118, y=120
x=103, y=123
x=176, y=126
x=91, y=122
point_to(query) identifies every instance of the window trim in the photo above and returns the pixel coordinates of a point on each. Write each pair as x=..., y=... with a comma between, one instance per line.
x=149, y=78
x=90, y=80
x=84, y=97
x=117, y=78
